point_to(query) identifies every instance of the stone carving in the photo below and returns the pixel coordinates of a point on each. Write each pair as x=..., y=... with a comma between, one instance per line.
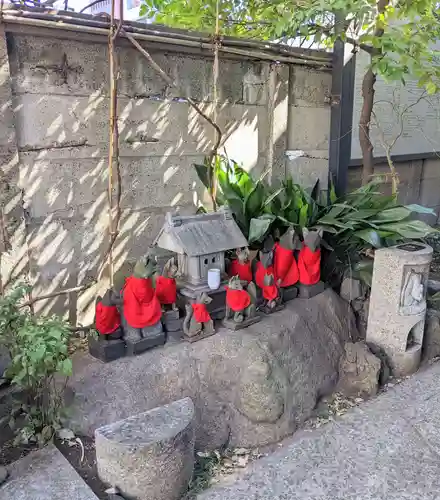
x=109, y=345
x=166, y=288
x=309, y=264
x=141, y=309
x=151, y=455
x=413, y=292
x=265, y=279
x=359, y=371
x=259, y=395
x=241, y=266
x=198, y=323
x=241, y=304
x=285, y=265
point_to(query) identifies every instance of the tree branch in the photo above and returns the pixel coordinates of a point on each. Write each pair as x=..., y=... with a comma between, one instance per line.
x=171, y=83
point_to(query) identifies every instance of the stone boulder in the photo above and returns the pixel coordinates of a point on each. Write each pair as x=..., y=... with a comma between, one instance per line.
x=250, y=387
x=359, y=371
x=151, y=455
x=431, y=337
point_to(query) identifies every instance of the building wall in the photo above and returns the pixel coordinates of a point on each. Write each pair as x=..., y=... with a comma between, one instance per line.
x=54, y=147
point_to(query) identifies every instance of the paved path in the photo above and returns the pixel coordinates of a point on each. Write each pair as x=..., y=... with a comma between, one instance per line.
x=44, y=475
x=389, y=448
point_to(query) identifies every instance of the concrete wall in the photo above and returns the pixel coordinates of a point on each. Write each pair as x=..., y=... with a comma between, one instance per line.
x=419, y=182
x=54, y=146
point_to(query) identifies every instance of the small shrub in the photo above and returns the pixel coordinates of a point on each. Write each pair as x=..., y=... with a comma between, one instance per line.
x=39, y=354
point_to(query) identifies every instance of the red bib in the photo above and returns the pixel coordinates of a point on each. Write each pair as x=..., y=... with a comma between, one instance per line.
x=201, y=313
x=166, y=290
x=141, y=307
x=237, y=300
x=309, y=265
x=107, y=318
x=283, y=258
x=269, y=292
x=244, y=271
x=286, y=267
x=261, y=272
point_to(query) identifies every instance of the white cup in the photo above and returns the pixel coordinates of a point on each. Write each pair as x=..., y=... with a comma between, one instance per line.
x=214, y=279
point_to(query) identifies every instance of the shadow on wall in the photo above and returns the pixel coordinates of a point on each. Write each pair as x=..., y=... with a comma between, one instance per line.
x=54, y=140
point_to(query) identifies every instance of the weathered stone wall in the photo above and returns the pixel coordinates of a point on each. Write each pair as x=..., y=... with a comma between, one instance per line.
x=54, y=95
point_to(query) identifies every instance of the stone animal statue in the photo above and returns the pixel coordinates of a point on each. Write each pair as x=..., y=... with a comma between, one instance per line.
x=198, y=320
x=241, y=266
x=309, y=258
x=142, y=310
x=271, y=293
x=107, y=317
x=285, y=265
x=240, y=303
x=166, y=288
x=265, y=278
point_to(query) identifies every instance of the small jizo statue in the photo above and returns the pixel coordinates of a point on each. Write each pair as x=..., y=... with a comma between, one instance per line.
x=241, y=304
x=241, y=266
x=166, y=289
x=198, y=323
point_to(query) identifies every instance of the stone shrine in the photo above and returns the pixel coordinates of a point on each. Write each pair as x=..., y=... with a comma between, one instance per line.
x=396, y=317
x=200, y=242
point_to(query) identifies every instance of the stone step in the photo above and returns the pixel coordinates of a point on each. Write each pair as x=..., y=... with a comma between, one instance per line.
x=44, y=475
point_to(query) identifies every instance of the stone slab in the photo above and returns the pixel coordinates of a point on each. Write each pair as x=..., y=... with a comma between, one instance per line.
x=44, y=475
x=385, y=449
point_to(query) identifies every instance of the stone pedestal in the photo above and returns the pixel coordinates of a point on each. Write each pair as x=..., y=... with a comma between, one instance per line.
x=397, y=310
x=309, y=291
x=151, y=455
x=173, y=325
x=107, y=348
x=216, y=308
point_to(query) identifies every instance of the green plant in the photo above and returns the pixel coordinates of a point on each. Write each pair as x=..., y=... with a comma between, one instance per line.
x=354, y=225
x=39, y=354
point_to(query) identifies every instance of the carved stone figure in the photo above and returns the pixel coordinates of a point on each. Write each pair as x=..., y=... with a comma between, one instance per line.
x=198, y=323
x=413, y=292
x=166, y=289
x=109, y=344
x=309, y=264
x=241, y=304
x=241, y=266
x=265, y=280
x=285, y=265
x=141, y=310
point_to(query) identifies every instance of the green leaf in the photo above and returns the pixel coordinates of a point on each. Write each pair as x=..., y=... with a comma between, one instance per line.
x=303, y=215
x=333, y=196
x=414, y=229
x=202, y=173
x=259, y=227
x=66, y=367
x=370, y=236
x=419, y=209
x=254, y=201
x=392, y=214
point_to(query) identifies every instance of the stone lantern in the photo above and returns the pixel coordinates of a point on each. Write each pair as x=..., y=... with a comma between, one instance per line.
x=397, y=309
